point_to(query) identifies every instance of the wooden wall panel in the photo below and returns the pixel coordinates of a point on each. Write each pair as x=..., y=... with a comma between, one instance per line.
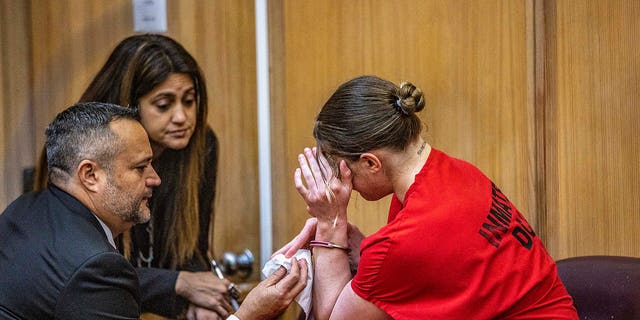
x=72, y=39
x=470, y=57
x=70, y=42
x=3, y=153
x=17, y=138
x=223, y=41
x=593, y=52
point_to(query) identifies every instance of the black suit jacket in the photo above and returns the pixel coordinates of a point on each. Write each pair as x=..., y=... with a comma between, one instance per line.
x=56, y=263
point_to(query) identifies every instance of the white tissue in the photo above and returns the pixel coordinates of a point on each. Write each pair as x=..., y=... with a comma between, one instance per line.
x=304, y=297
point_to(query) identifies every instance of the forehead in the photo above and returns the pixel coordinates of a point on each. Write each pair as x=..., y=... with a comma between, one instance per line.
x=134, y=139
x=175, y=81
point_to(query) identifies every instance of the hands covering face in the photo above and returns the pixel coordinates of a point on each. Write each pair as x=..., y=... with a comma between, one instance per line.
x=326, y=196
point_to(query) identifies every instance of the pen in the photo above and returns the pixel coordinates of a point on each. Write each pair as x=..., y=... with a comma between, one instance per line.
x=216, y=269
x=233, y=291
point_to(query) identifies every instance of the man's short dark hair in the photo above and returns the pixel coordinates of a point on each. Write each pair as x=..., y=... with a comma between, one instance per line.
x=82, y=132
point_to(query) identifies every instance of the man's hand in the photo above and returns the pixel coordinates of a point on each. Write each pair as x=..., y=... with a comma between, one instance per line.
x=204, y=290
x=274, y=294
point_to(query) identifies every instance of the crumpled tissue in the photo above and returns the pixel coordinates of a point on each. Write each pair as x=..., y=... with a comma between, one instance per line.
x=304, y=298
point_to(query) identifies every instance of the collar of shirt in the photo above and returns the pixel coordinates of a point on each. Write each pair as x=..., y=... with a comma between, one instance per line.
x=107, y=232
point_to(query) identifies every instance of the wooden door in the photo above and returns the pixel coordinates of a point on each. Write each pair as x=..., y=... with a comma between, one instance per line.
x=592, y=124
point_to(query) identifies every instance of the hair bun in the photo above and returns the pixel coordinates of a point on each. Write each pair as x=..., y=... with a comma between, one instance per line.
x=410, y=99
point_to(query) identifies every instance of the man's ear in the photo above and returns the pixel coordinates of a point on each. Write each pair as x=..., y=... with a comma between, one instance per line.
x=370, y=162
x=90, y=175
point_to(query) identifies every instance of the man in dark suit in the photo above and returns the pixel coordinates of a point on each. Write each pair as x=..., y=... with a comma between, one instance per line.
x=57, y=255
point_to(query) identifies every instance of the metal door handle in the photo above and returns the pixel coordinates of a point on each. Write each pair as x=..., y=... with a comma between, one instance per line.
x=241, y=263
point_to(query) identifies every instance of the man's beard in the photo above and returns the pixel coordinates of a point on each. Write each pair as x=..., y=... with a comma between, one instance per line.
x=121, y=203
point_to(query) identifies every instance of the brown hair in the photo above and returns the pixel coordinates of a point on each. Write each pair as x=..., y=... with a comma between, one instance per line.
x=368, y=113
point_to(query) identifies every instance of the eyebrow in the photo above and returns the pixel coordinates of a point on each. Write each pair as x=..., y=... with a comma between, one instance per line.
x=146, y=160
x=189, y=90
x=163, y=95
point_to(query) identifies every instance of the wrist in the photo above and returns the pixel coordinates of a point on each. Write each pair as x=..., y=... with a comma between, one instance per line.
x=180, y=286
x=338, y=221
x=337, y=234
x=328, y=245
x=240, y=315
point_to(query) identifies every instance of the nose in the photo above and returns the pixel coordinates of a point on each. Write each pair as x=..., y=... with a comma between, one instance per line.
x=153, y=180
x=179, y=113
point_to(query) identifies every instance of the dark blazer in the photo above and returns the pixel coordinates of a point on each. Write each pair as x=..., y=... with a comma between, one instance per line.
x=56, y=263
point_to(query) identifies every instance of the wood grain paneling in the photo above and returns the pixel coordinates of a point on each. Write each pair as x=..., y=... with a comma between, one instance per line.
x=3, y=143
x=70, y=42
x=223, y=36
x=17, y=139
x=594, y=100
x=545, y=121
x=471, y=58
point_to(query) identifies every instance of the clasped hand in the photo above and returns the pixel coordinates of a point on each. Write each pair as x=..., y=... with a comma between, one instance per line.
x=206, y=293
